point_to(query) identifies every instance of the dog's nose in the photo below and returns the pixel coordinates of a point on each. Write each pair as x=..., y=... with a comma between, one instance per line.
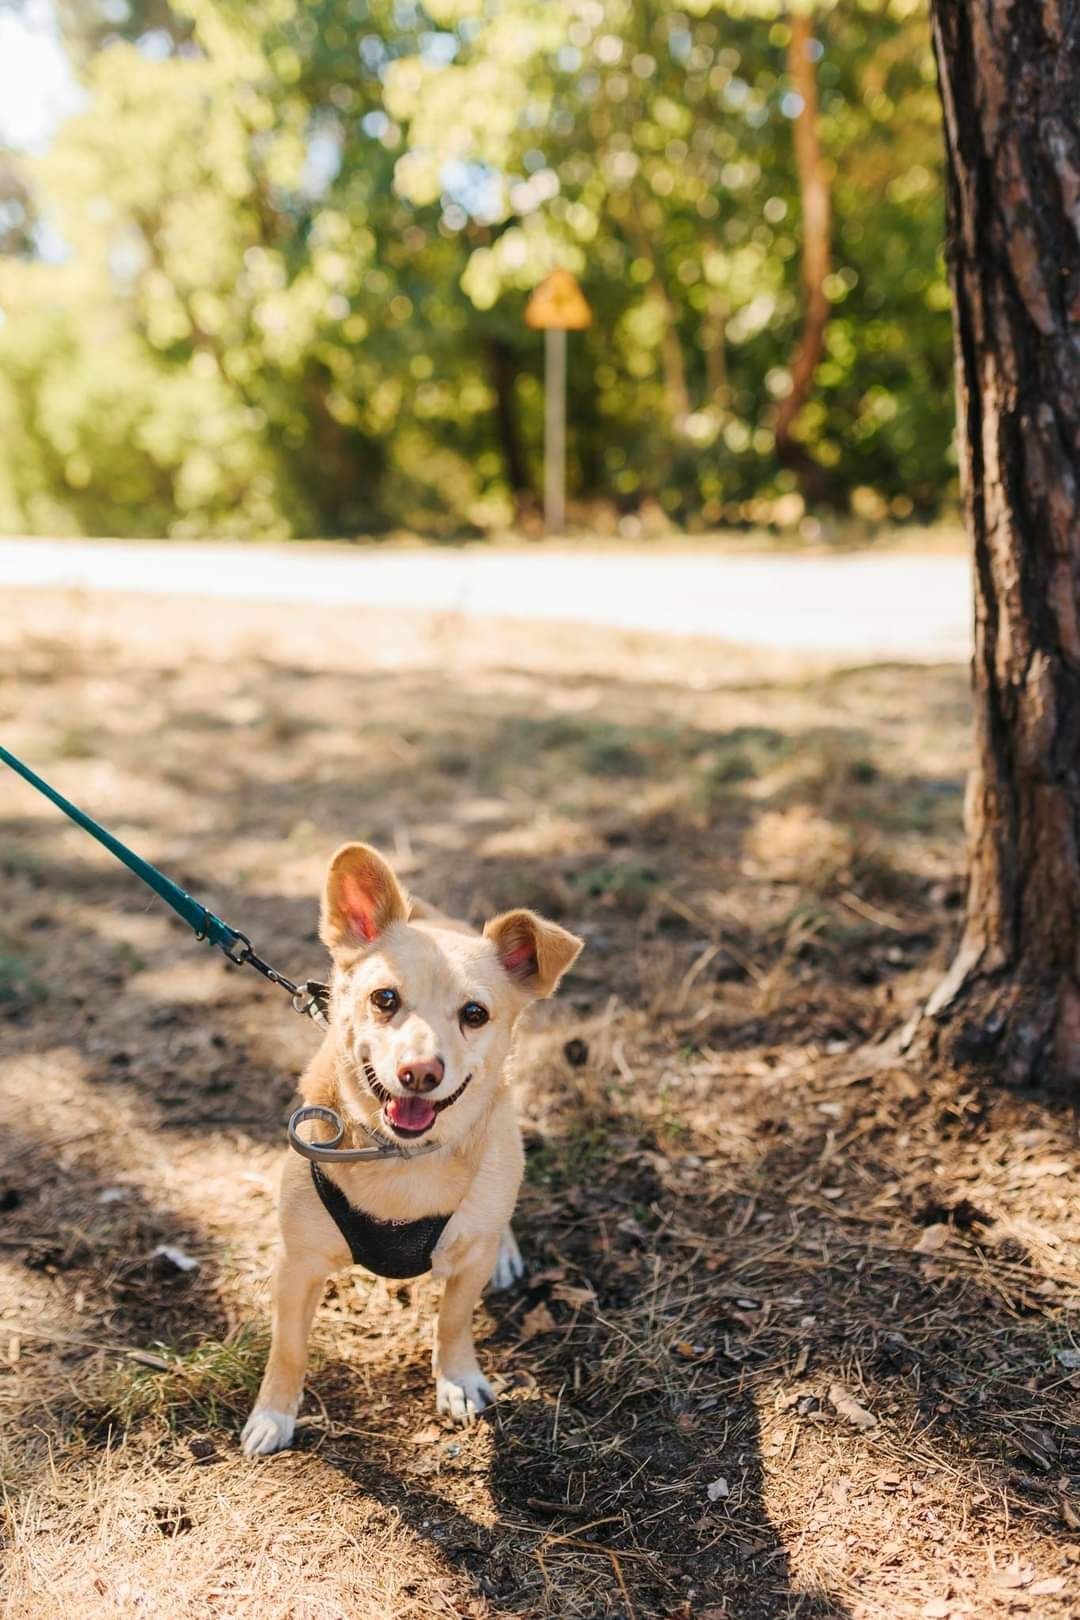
x=421, y=1074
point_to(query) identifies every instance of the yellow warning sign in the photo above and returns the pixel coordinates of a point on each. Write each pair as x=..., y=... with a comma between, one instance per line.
x=560, y=303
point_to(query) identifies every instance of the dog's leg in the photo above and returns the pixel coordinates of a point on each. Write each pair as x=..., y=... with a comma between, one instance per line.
x=298, y=1284
x=461, y=1390
x=509, y=1266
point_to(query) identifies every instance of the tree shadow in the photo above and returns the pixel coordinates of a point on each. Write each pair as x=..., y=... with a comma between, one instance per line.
x=97, y=1269
x=578, y=1509
x=729, y=1192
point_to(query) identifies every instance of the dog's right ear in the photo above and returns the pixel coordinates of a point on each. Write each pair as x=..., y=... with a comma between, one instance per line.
x=361, y=899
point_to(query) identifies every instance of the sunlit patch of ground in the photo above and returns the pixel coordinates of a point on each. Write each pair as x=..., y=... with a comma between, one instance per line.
x=800, y=1336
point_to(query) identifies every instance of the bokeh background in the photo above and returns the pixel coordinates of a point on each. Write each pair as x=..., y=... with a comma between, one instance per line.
x=799, y=1336
x=263, y=265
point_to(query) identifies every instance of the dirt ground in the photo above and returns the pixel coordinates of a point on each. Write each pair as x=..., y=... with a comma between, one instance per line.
x=800, y=1333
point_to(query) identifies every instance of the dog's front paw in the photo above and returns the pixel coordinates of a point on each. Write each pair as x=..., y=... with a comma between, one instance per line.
x=463, y=1398
x=509, y=1266
x=267, y=1431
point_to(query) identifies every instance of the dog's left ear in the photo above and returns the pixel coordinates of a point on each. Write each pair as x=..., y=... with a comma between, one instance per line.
x=535, y=952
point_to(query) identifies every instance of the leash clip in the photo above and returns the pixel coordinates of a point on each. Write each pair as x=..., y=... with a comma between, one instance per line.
x=312, y=999
x=239, y=948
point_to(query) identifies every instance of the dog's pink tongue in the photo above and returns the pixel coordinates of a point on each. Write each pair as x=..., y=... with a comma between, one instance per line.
x=410, y=1113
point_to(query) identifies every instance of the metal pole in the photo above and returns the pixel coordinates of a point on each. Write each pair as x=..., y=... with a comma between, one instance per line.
x=554, y=430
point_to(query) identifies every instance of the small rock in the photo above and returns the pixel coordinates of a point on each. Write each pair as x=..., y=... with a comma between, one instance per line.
x=174, y=1258
x=538, y=1320
x=846, y=1406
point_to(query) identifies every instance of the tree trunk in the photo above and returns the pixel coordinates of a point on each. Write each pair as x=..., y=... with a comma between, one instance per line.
x=1010, y=85
x=816, y=228
x=676, y=391
x=713, y=340
x=503, y=374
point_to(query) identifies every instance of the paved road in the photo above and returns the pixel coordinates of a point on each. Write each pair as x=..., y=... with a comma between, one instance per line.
x=855, y=606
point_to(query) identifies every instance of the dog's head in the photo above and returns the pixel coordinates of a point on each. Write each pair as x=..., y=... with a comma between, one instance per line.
x=424, y=1010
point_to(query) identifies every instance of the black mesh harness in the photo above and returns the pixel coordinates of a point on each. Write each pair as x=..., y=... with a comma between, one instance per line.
x=388, y=1248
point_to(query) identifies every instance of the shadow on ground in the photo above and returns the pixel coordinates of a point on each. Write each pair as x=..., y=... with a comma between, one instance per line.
x=791, y=1343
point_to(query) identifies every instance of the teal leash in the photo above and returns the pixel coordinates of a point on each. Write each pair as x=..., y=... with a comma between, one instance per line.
x=310, y=998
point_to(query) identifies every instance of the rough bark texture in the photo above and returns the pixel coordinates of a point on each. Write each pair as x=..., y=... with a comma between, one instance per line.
x=816, y=228
x=1010, y=86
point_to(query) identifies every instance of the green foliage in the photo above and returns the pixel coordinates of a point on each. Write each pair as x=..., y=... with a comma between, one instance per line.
x=301, y=236
x=213, y=1384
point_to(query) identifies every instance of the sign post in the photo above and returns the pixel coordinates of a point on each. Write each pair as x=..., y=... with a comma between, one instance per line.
x=555, y=429
x=556, y=307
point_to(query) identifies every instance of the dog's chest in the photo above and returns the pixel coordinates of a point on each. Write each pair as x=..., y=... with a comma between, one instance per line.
x=396, y=1249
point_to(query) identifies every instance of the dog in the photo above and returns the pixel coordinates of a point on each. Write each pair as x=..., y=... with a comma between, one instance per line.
x=421, y=1018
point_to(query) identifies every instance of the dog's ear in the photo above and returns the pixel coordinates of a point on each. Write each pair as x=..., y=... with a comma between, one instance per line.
x=535, y=952
x=362, y=898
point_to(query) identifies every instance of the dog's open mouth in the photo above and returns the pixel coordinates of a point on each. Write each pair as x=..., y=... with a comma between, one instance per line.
x=410, y=1116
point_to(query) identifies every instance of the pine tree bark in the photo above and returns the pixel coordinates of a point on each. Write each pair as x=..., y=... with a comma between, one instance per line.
x=1009, y=74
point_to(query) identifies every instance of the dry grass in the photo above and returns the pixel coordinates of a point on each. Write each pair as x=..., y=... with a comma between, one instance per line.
x=765, y=1257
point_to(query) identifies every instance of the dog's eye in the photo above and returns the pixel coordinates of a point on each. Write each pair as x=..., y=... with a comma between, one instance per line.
x=386, y=1001
x=473, y=1015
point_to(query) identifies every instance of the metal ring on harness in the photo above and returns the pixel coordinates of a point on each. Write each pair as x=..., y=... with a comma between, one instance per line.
x=323, y=1152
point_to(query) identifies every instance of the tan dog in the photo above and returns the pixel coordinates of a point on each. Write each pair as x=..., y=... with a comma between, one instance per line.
x=421, y=1018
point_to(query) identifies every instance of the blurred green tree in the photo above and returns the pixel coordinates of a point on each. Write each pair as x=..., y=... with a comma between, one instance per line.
x=651, y=150
x=300, y=237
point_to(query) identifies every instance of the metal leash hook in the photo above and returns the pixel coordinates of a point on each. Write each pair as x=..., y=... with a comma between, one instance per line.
x=313, y=1000
x=330, y=1152
x=310, y=998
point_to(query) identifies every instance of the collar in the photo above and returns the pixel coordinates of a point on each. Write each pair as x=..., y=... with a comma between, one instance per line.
x=330, y=1151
